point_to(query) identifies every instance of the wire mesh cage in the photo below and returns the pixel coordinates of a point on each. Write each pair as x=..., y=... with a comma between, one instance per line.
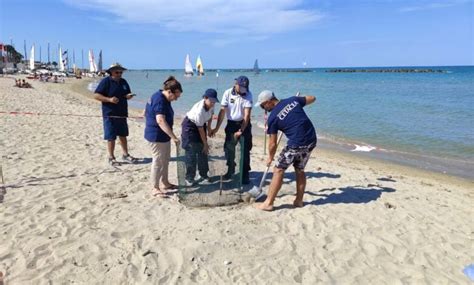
x=218, y=190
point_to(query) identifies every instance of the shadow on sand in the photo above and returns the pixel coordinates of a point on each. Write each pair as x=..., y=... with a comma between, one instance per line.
x=256, y=176
x=345, y=195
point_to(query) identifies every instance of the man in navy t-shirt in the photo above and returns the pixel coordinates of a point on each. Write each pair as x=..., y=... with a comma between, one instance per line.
x=288, y=116
x=114, y=91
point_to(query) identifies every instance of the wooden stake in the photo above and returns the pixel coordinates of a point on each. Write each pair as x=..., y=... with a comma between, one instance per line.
x=220, y=191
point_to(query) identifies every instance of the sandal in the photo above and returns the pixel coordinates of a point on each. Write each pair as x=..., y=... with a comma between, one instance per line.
x=113, y=162
x=130, y=159
x=171, y=187
x=158, y=193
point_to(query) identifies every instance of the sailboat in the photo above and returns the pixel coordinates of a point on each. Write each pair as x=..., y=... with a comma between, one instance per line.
x=100, y=62
x=188, y=68
x=61, y=61
x=32, y=58
x=255, y=67
x=92, y=65
x=199, y=67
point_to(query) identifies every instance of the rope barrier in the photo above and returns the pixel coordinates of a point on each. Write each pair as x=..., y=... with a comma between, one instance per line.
x=67, y=115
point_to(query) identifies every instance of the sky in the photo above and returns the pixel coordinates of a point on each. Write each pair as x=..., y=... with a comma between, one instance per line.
x=157, y=34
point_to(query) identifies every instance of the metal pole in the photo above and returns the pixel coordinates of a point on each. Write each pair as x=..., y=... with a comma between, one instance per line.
x=24, y=48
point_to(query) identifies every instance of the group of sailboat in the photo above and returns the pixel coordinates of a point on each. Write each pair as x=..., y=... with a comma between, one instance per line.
x=189, y=71
x=63, y=63
x=188, y=68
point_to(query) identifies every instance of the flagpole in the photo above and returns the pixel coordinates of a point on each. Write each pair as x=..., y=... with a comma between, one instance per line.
x=24, y=48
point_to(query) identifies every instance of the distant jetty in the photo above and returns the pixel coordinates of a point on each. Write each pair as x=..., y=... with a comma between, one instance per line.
x=386, y=70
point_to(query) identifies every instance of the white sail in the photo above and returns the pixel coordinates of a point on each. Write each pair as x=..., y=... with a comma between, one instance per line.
x=92, y=65
x=199, y=66
x=32, y=57
x=188, y=68
x=61, y=62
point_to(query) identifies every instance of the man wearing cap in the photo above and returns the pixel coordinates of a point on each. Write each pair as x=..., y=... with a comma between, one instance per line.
x=193, y=136
x=114, y=91
x=236, y=105
x=287, y=115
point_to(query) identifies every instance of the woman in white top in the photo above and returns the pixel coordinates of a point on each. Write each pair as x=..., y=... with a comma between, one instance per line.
x=193, y=136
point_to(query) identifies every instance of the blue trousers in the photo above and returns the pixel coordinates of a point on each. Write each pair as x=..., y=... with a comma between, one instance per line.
x=194, y=156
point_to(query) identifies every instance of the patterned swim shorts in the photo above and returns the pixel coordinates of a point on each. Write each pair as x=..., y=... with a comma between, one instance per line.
x=298, y=156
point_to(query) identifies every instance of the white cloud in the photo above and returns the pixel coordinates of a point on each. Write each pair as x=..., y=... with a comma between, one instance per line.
x=255, y=18
x=432, y=5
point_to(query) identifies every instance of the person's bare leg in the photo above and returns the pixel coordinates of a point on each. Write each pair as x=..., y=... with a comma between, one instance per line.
x=111, y=148
x=168, y=187
x=123, y=143
x=275, y=186
x=300, y=187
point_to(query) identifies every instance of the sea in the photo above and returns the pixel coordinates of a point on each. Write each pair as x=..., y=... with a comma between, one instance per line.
x=413, y=118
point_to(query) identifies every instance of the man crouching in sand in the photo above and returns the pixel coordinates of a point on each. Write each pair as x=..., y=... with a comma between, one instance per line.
x=288, y=116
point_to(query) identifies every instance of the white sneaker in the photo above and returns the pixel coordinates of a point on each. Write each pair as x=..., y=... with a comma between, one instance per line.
x=205, y=180
x=188, y=182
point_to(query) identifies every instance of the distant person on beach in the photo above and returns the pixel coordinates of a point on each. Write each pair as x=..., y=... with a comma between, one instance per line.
x=287, y=115
x=195, y=127
x=25, y=84
x=21, y=83
x=114, y=92
x=236, y=105
x=159, y=116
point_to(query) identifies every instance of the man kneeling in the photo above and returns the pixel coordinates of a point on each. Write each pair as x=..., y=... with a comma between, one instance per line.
x=288, y=116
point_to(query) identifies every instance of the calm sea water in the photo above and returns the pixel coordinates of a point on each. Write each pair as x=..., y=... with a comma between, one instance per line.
x=426, y=115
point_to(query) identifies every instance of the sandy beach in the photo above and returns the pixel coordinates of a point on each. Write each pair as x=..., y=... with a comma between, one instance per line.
x=67, y=217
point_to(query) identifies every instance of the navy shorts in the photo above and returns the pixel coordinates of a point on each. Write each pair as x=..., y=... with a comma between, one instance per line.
x=114, y=127
x=296, y=156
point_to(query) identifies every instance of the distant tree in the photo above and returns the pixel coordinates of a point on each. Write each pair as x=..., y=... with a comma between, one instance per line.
x=54, y=63
x=13, y=55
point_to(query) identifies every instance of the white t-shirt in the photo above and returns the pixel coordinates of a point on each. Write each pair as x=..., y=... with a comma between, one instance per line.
x=199, y=115
x=236, y=104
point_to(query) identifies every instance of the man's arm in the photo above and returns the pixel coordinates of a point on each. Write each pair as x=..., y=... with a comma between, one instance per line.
x=202, y=134
x=105, y=99
x=309, y=99
x=161, y=121
x=245, y=122
x=220, y=118
x=209, y=123
x=272, y=148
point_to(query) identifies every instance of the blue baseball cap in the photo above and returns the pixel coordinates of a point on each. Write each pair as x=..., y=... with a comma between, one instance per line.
x=211, y=94
x=242, y=81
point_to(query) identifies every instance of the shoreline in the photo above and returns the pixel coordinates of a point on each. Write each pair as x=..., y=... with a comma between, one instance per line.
x=418, y=161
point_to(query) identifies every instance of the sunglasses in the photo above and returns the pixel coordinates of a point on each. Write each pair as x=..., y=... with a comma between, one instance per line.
x=118, y=72
x=262, y=105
